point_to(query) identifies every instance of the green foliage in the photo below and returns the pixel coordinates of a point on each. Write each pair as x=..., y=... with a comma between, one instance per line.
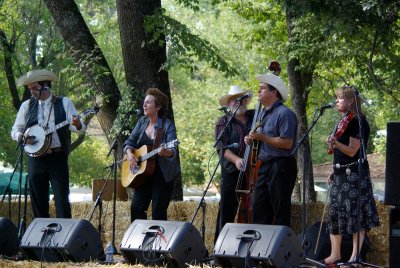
x=211, y=45
x=88, y=161
x=8, y=154
x=185, y=48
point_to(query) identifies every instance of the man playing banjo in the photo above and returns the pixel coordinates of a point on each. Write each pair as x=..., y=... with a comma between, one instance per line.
x=47, y=150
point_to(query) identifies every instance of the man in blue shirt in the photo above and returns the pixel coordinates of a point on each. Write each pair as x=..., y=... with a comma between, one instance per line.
x=277, y=136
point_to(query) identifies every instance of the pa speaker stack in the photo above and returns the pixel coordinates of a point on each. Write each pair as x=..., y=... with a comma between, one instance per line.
x=163, y=243
x=256, y=245
x=8, y=237
x=392, y=173
x=57, y=240
x=392, y=189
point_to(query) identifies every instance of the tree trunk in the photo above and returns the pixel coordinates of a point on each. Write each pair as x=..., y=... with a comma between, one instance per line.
x=143, y=56
x=8, y=51
x=89, y=57
x=299, y=81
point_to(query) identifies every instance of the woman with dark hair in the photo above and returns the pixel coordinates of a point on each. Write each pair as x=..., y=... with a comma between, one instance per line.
x=345, y=145
x=153, y=129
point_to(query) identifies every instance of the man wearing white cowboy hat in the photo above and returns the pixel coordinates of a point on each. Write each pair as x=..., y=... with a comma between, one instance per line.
x=47, y=110
x=277, y=135
x=232, y=159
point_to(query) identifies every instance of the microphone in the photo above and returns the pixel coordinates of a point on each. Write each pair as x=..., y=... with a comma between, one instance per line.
x=137, y=112
x=223, y=109
x=248, y=95
x=327, y=106
x=230, y=146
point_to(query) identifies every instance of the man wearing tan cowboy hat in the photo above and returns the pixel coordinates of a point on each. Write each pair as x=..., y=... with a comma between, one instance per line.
x=277, y=135
x=46, y=110
x=232, y=158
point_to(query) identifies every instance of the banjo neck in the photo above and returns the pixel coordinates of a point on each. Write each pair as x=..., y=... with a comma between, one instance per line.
x=68, y=121
x=59, y=125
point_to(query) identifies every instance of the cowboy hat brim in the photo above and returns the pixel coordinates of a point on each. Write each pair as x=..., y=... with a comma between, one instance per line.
x=36, y=76
x=276, y=82
x=224, y=100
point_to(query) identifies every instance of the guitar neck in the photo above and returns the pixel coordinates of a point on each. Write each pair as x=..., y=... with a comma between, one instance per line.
x=150, y=154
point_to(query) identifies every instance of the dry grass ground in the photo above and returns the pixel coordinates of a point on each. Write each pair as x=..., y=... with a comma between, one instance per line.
x=184, y=211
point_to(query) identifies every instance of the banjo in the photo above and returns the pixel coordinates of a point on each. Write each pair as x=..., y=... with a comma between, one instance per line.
x=42, y=136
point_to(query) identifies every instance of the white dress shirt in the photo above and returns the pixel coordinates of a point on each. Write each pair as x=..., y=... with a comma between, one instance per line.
x=43, y=117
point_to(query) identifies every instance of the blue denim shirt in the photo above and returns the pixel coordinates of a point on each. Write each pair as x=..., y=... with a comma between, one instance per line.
x=169, y=165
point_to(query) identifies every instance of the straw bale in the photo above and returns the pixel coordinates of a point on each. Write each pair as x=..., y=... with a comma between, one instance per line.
x=184, y=212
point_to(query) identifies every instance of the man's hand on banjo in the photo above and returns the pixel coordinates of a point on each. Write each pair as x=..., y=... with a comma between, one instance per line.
x=28, y=139
x=76, y=122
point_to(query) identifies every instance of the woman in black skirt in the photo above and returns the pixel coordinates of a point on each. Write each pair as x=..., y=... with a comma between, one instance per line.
x=345, y=145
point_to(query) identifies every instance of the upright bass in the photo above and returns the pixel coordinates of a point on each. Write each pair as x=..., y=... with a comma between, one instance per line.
x=248, y=174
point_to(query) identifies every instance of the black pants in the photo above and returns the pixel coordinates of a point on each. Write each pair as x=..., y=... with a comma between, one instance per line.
x=272, y=195
x=228, y=203
x=154, y=190
x=51, y=168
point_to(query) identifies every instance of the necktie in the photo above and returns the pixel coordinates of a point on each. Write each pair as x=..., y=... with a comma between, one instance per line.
x=42, y=109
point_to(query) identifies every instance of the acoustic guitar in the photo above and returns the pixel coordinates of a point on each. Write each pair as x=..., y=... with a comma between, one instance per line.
x=135, y=177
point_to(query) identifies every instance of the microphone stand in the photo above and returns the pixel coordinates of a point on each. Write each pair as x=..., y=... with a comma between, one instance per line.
x=19, y=163
x=361, y=158
x=303, y=206
x=114, y=148
x=202, y=203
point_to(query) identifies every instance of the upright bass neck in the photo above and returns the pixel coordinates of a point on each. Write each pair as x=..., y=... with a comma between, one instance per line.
x=253, y=128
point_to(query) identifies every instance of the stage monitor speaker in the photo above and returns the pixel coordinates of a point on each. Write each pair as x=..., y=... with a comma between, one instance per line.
x=394, y=237
x=57, y=240
x=8, y=237
x=392, y=174
x=163, y=243
x=324, y=244
x=256, y=245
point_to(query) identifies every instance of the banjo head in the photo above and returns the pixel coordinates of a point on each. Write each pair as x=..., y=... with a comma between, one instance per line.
x=40, y=139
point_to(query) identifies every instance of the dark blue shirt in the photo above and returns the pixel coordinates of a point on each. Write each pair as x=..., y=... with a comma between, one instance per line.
x=280, y=121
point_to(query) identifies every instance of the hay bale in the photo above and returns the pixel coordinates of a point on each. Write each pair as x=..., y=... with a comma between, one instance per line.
x=184, y=211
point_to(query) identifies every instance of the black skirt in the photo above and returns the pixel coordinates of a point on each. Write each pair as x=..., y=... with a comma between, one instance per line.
x=343, y=213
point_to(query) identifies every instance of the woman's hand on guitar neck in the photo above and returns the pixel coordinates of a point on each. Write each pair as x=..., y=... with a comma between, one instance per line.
x=165, y=152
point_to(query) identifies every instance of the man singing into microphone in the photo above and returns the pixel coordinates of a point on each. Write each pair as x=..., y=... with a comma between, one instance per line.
x=278, y=170
x=232, y=159
x=47, y=110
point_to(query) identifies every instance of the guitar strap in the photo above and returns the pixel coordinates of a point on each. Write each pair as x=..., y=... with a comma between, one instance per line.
x=48, y=118
x=159, y=134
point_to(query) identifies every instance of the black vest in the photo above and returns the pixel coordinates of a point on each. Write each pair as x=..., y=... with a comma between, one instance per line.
x=59, y=116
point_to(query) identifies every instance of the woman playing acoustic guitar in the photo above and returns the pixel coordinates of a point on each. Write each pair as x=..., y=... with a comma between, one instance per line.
x=157, y=181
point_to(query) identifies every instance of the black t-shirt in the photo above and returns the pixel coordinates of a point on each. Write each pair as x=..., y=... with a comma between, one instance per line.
x=352, y=130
